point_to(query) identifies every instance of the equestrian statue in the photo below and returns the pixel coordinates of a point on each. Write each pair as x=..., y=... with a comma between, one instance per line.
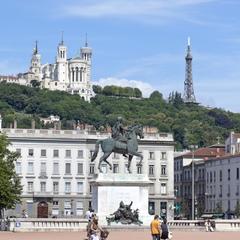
x=123, y=141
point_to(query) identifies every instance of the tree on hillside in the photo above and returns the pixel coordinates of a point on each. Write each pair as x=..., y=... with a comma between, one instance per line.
x=137, y=93
x=10, y=187
x=175, y=98
x=97, y=89
x=156, y=95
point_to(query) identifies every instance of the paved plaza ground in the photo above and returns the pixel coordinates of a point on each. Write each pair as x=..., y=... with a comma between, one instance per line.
x=120, y=235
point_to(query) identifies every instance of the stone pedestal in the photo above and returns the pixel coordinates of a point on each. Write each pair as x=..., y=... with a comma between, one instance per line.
x=108, y=190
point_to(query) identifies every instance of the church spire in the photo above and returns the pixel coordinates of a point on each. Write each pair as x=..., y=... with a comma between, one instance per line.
x=86, y=40
x=62, y=42
x=36, y=48
x=189, y=96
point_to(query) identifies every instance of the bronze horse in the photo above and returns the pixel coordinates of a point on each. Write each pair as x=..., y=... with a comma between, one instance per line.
x=129, y=148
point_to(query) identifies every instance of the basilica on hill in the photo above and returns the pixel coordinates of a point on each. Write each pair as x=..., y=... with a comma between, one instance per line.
x=72, y=75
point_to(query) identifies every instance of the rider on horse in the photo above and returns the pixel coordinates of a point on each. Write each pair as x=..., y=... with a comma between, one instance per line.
x=119, y=132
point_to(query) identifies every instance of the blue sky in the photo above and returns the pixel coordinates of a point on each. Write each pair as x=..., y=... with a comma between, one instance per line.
x=135, y=42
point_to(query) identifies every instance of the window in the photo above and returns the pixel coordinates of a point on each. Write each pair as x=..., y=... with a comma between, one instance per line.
x=30, y=168
x=151, y=208
x=151, y=170
x=68, y=168
x=67, y=208
x=43, y=153
x=115, y=168
x=80, y=154
x=91, y=153
x=30, y=186
x=139, y=169
x=237, y=191
x=68, y=153
x=55, y=187
x=79, y=187
x=163, y=188
x=18, y=167
x=210, y=176
x=55, y=153
x=220, y=175
x=18, y=150
x=79, y=208
x=80, y=168
x=214, y=176
x=164, y=170
x=43, y=187
x=55, y=204
x=91, y=169
x=237, y=175
x=164, y=155
x=151, y=156
x=55, y=168
x=163, y=209
x=67, y=187
x=220, y=190
x=30, y=152
x=43, y=169
x=229, y=174
x=104, y=168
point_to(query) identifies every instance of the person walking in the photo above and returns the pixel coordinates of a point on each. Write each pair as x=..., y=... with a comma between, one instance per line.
x=164, y=228
x=155, y=228
x=95, y=229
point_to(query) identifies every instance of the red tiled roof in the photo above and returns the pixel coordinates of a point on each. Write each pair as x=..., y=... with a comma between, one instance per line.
x=205, y=153
x=228, y=155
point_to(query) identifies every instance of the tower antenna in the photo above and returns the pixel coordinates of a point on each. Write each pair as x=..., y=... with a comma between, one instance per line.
x=86, y=40
x=189, y=96
x=62, y=37
x=36, y=47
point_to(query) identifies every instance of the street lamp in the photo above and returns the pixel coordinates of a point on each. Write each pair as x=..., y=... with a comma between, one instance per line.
x=193, y=148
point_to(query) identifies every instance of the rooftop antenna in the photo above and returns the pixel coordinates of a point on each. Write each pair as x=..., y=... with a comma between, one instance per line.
x=189, y=41
x=36, y=47
x=62, y=38
x=86, y=41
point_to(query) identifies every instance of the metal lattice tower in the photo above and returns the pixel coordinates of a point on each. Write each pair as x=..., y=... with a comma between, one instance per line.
x=189, y=96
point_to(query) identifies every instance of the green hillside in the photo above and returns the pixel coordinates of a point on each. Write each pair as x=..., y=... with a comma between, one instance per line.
x=189, y=123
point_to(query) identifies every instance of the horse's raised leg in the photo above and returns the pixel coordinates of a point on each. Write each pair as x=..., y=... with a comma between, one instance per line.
x=109, y=164
x=103, y=158
x=141, y=158
x=129, y=163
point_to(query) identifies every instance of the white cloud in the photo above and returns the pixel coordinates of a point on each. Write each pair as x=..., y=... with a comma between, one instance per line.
x=151, y=11
x=145, y=88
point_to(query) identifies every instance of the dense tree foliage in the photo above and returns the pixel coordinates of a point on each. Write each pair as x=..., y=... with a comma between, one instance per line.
x=10, y=187
x=190, y=123
x=118, y=91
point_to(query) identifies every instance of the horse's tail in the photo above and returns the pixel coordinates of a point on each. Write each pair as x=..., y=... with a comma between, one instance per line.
x=96, y=150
